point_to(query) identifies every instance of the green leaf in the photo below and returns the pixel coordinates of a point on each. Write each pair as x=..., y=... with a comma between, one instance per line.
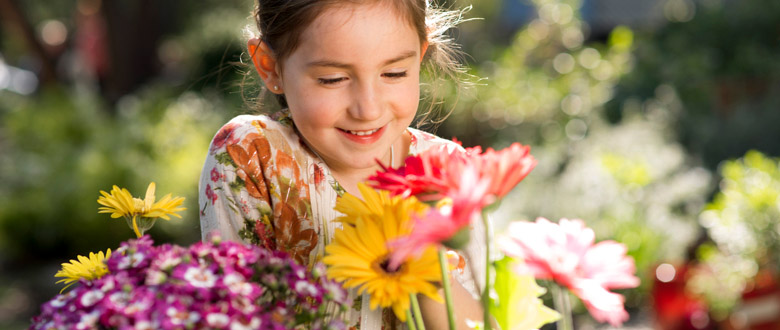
x=516, y=305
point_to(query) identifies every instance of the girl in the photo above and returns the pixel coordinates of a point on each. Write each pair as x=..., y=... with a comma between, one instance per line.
x=347, y=75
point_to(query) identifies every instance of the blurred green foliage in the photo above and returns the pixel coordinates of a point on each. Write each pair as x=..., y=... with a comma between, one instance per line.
x=61, y=149
x=626, y=130
x=629, y=180
x=546, y=85
x=69, y=140
x=743, y=220
x=722, y=64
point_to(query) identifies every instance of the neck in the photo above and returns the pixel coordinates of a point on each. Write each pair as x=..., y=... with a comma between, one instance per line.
x=349, y=178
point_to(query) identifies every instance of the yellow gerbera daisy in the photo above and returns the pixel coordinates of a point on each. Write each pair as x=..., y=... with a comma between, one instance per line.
x=90, y=268
x=373, y=204
x=120, y=203
x=358, y=256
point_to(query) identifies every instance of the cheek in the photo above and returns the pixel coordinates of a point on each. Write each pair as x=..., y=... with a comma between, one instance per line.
x=408, y=99
x=309, y=107
x=312, y=112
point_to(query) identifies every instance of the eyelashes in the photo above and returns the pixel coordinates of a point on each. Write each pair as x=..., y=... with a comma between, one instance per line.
x=400, y=74
x=332, y=81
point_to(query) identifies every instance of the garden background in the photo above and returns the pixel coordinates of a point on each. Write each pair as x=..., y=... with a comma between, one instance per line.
x=656, y=122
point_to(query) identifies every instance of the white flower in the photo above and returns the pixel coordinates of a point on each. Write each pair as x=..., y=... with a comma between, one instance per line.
x=108, y=286
x=132, y=260
x=169, y=263
x=305, y=288
x=253, y=324
x=217, y=320
x=60, y=301
x=119, y=299
x=137, y=306
x=200, y=278
x=88, y=321
x=155, y=277
x=91, y=297
x=335, y=290
x=182, y=316
x=145, y=325
x=237, y=284
x=244, y=305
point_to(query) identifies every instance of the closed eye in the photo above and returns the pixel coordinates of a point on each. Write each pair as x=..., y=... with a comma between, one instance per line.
x=395, y=74
x=330, y=81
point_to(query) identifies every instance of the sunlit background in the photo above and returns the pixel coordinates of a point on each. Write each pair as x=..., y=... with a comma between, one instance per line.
x=655, y=121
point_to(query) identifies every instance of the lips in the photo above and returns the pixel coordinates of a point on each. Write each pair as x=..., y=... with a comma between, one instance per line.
x=363, y=136
x=363, y=133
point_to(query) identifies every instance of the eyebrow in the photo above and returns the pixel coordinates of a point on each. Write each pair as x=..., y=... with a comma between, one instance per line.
x=335, y=64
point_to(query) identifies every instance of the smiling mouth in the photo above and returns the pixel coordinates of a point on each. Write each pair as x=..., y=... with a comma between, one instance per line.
x=362, y=133
x=363, y=136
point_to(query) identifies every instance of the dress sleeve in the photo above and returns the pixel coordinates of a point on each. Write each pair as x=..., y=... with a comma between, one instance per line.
x=233, y=195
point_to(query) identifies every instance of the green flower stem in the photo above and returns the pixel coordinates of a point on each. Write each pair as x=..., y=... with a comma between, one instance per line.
x=409, y=321
x=486, y=292
x=563, y=306
x=417, y=313
x=445, y=282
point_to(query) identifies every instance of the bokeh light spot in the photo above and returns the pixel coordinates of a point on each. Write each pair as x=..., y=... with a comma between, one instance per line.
x=576, y=129
x=538, y=30
x=679, y=10
x=563, y=63
x=572, y=37
x=54, y=33
x=665, y=273
x=589, y=58
x=572, y=104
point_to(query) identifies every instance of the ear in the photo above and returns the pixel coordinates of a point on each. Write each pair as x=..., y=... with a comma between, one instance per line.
x=265, y=64
x=423, y=49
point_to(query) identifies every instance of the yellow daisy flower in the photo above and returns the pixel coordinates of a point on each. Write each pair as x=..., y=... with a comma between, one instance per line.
x=373, y=204
x=120, y=203
x=358, y=256
x=90, y=268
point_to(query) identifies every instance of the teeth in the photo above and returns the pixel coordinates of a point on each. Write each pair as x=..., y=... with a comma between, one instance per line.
x=362, y=133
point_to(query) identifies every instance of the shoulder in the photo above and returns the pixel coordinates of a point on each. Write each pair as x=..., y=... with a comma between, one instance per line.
x=422, y=141
x=244, y=129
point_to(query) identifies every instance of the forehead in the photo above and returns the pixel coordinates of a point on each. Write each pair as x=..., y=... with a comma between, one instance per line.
x=401, y=9
x=358, y=28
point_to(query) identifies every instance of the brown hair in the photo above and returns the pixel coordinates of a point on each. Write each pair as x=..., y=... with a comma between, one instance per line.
x=281, y=23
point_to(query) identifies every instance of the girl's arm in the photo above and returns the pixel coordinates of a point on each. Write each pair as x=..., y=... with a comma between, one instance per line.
x=466, y=307
x=466, y=287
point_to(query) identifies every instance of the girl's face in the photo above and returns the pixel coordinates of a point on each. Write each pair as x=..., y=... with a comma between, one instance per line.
x=352, y=85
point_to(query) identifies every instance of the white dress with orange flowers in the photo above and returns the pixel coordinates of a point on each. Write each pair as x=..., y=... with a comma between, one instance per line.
x=261, y=185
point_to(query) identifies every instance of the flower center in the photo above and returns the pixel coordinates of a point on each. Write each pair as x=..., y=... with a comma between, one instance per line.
x=138, y=206
x=385, y=266
x=382, y=265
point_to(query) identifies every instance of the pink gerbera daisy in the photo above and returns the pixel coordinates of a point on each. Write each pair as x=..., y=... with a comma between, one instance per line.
x=427, y=176
x=565, y=253
x=504, y=169
x=436, y=173
x=445, y=224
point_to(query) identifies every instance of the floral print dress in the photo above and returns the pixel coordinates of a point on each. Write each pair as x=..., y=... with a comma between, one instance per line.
x=262, y=185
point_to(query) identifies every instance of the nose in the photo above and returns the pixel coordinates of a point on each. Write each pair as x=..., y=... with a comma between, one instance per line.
x=366, y=104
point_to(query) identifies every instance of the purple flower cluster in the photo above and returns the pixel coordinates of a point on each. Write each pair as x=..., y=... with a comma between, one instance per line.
x=209, y=285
